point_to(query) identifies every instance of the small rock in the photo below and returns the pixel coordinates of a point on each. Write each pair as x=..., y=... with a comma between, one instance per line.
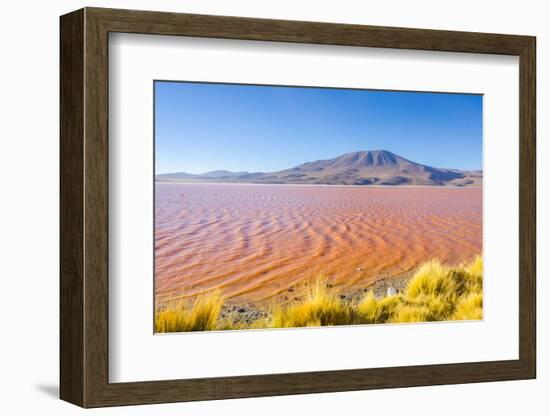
x=359, y=269
x=241, y=310
x=291, y=289
x=391, y=291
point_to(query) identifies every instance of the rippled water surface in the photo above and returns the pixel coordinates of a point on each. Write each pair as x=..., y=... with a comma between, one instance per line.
x=256, y=241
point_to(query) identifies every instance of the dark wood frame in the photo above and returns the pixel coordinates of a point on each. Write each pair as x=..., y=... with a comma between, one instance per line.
x=84, y=207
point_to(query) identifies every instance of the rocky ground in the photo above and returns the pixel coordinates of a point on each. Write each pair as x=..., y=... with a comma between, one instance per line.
x=246, y=315
x=381, y=288
x=242, y=315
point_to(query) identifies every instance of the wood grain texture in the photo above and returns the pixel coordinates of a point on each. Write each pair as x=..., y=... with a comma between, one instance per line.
x=96, y=208
x=84, y=207
x=71, y=158
x=527, y=208
x=162, y=23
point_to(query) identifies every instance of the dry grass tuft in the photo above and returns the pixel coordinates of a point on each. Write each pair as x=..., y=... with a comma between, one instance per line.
x=474, y=275
x=436, y=292
x=376, y=311
x=320, y=307
x=202, y=315
x=470, y=308
x=431, y=280
x=408, y=313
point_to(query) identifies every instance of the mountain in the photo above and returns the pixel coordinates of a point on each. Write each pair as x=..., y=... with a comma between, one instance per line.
x=213, y=176
x=373, y=167
x=223, y=174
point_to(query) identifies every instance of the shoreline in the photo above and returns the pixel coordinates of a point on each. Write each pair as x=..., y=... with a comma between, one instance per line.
x=248, y=313
x=435, y=292
x=157, y=182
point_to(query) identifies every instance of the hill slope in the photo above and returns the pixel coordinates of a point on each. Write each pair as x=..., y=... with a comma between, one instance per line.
x=374, y=167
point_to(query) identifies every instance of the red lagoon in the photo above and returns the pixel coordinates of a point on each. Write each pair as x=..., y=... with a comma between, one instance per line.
x=255, y=242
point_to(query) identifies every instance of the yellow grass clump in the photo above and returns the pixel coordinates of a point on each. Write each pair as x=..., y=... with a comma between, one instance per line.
x=201, y=315
x=376, y=311
x=469, y=308
x=320, y=307
x=440, y=293
x=408, y=313
x=474, y=275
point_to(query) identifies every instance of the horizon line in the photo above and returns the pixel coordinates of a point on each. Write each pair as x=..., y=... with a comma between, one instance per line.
x=312, y=161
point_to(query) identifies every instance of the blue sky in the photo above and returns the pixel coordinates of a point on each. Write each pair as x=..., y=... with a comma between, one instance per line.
x=201, y=127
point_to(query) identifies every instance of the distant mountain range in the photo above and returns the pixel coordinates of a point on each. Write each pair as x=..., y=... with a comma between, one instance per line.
x=372, y=167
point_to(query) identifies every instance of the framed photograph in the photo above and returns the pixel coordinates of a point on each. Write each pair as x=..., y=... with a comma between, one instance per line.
x=255, y=207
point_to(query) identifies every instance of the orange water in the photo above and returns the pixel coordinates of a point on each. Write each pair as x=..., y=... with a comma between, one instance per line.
x=256, y=241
